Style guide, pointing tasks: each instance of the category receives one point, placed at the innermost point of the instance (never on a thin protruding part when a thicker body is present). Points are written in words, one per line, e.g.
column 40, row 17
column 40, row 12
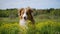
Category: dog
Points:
column 24, row 15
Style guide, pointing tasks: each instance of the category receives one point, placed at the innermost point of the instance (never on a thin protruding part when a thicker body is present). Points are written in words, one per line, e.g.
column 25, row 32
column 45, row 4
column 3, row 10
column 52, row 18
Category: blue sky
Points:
column 39, row 4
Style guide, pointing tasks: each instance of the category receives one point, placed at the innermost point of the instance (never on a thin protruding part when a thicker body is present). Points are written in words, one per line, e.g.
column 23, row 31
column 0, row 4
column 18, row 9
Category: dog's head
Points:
column 25, row 13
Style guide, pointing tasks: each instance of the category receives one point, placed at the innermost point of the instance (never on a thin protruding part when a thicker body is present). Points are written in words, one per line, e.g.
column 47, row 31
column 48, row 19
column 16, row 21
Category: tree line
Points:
column 14, row 12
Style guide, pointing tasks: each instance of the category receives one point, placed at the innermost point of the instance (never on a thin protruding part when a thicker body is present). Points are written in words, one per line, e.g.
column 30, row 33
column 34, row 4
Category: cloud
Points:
column 32, row 3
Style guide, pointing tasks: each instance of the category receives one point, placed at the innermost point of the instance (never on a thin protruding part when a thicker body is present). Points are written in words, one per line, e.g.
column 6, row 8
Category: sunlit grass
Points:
column 46, row 26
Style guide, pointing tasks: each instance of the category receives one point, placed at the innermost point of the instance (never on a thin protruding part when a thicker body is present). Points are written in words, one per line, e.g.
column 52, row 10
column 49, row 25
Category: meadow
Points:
column 46, row 23
column 43, row 26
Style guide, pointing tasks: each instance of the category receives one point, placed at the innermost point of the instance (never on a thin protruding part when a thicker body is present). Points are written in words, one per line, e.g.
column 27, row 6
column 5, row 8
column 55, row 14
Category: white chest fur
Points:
column 22, row 23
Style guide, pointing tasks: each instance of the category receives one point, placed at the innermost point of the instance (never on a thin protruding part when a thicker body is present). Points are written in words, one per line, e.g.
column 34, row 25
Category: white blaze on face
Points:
column 23, row 21
column 25, row 15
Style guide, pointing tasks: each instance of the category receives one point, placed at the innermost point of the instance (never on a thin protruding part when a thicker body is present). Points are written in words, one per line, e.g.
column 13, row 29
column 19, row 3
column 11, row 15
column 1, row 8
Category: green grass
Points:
column 9, row 28
column 43, row 26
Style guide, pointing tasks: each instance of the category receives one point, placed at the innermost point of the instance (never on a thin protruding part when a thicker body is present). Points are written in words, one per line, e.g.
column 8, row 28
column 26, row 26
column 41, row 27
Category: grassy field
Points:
column 47, row 21
column 43, row 26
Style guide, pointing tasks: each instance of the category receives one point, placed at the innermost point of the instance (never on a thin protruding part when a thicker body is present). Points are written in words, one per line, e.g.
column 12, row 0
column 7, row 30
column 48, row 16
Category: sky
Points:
column 38, row 4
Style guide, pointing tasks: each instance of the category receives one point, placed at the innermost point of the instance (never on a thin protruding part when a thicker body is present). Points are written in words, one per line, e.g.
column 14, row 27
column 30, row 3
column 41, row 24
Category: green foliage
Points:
column 42, row 27
column 48, row 27
column 8, row 12
column 14, row 12
column 9, row 29
column 56, row 12
column 47, row 22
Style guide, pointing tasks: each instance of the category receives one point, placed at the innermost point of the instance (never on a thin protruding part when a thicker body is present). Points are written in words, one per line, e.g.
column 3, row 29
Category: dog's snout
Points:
column 25, row 18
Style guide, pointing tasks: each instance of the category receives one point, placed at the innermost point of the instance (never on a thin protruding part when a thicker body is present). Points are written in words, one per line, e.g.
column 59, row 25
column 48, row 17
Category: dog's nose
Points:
column 25, row 18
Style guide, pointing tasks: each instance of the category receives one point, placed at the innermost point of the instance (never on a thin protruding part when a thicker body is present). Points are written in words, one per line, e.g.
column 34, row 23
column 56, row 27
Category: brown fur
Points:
column 30, row 18
column 29, row 11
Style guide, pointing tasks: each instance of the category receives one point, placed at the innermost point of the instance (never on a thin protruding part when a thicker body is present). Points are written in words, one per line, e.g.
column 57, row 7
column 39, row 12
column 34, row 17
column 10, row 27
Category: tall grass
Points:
column 9, row 28
column 46, row 26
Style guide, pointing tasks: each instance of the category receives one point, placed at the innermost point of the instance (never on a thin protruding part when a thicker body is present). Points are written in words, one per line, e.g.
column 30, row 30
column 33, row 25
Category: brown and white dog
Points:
column 24, row 15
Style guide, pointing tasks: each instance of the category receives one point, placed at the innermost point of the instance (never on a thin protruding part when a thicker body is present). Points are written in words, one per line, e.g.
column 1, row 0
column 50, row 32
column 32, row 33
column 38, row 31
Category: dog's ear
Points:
column 29, row 9
column 19, row 11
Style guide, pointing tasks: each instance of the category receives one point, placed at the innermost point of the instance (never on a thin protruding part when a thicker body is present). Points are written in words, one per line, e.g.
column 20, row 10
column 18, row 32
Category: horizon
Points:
column 30, row 7
column 37, row 4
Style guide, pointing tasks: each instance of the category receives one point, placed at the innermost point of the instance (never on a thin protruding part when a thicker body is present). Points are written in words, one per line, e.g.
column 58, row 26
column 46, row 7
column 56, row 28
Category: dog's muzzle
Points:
column 25, row 18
